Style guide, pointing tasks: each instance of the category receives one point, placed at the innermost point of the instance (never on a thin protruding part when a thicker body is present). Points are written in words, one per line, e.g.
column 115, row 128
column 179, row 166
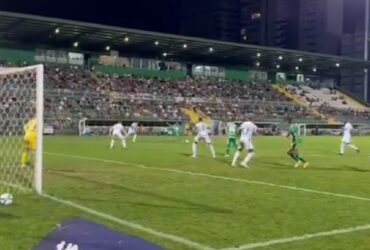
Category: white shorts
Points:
column 346, row 139
column 202, row 136
column 131, row 132
column 117, row 135
column 247, row 143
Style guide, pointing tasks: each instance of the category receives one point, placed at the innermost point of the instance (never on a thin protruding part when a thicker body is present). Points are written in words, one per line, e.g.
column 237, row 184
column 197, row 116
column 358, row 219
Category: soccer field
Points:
column 155, row 190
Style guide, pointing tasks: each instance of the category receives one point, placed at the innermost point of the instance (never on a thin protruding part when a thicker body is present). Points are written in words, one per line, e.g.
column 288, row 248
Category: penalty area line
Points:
column 300, row 238
column 346, row 196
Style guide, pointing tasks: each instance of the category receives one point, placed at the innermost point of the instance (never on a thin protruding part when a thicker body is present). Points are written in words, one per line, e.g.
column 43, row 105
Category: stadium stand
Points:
column 73, row 93
column 331, row 103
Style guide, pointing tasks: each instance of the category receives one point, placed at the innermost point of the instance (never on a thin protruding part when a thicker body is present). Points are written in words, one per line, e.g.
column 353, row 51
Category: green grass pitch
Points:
column 137, row 185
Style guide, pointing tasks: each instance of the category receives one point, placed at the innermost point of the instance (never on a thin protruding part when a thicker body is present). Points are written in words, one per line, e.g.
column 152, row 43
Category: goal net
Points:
column 21, row 124
column 302, row 129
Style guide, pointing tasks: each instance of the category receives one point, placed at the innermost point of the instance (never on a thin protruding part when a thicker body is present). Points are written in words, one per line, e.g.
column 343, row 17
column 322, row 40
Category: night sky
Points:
column 153, row 15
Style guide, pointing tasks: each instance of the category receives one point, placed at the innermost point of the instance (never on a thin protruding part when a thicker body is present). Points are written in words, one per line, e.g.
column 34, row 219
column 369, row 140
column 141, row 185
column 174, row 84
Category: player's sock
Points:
column 111, row 144
column 212, row 150
column 195, row 149
column 134, row 138
column 300, row 158
column 293, row 156
column 228, row 149
column 248, row 158
column 24, row 158
column 353, row 147
column 342, row 145
column 236, row 157
column 123, row 143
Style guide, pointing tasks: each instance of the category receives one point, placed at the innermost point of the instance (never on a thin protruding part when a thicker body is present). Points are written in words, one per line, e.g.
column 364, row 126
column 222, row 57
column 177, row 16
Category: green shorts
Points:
column 231, row 141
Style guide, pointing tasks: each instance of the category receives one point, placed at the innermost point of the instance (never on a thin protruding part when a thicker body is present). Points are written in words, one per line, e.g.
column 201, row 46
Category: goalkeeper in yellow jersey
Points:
column 29, row 143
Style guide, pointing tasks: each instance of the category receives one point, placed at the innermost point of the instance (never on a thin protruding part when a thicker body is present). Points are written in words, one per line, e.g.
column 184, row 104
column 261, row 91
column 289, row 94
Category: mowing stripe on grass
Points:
column 300, row 238
column 347, row 196
column 185, row 242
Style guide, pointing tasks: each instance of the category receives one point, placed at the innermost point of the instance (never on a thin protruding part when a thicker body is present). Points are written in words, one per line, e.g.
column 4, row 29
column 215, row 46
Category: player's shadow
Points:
column 273, row 165
column 219, row 158
column 7, row 216
column 355, row 169
column 86, row 171
column 151, row 195
column 159, row 206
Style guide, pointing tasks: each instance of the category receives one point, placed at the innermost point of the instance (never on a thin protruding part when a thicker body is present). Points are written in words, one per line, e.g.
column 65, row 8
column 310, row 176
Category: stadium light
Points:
column 278, row 66
column 258, row 54
column 164, row 54
column 156, row 43
column 300, row 59
column 56, row 31
column 184, row 45
column 210, row 49
column 258, row 64
column 337, row 65
column 75, row 44
column 296, row 68
column 314, row 69
column 107, row 48
column 127, row 39
column 280, row 57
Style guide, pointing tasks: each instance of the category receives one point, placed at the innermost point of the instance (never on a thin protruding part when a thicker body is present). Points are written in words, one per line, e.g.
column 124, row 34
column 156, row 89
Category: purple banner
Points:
column 80, row 234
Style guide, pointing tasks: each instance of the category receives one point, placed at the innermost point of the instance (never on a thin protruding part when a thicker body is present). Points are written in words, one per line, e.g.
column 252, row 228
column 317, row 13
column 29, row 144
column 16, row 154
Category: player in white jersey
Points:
column 202, row 134
column 117, row 131
column 346, row 140
column 247, row 130
column 133, row 131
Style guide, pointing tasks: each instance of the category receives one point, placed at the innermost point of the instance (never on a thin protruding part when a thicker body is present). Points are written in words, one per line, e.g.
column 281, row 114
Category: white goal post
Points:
column 21, row 104
column 302, row 129
column 84, row 128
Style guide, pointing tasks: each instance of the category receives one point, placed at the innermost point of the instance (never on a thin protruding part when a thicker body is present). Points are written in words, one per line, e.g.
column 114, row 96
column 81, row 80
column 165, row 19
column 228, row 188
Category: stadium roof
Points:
column 29, row 29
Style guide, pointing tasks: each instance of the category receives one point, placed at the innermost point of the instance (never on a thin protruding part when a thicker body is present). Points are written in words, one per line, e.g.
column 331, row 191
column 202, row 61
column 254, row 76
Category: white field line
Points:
column 346, row 196
column 195, row 245
column 301, row 238
column 159, row 234
column 185, row 242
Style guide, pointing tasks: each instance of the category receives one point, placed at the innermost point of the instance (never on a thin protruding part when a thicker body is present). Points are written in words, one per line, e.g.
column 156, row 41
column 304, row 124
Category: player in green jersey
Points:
column 294, row 150
column 231, row 130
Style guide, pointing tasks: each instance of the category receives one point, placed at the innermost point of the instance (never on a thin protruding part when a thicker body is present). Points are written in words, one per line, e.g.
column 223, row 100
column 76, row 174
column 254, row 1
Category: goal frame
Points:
column 302, row 129
column 40, row 126
column 39, row 105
